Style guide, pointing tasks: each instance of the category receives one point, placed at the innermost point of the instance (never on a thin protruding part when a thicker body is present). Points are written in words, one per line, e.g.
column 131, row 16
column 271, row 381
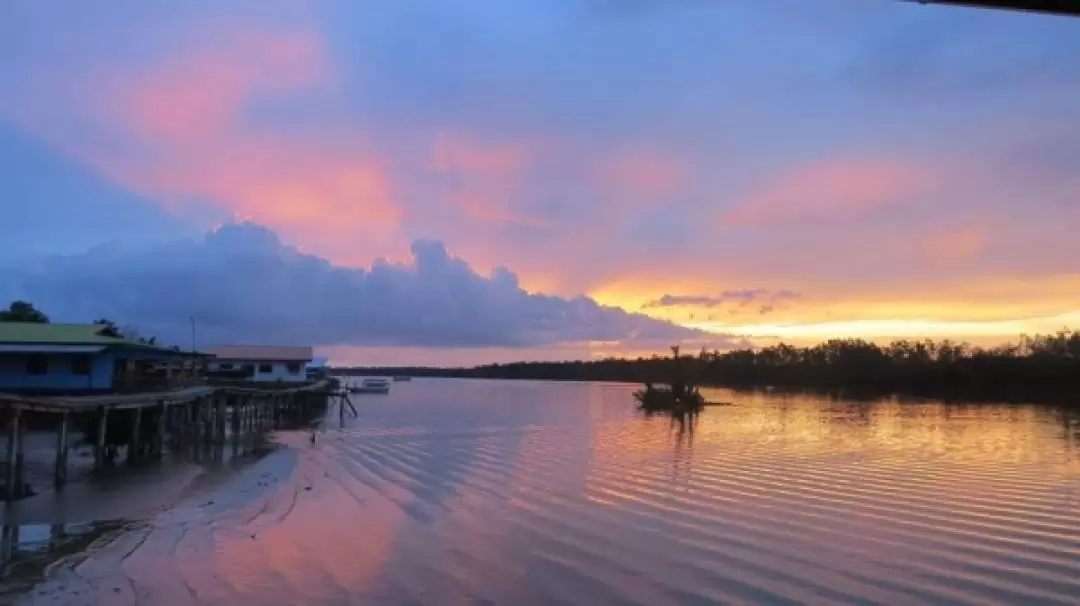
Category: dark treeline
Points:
column 1039, row 366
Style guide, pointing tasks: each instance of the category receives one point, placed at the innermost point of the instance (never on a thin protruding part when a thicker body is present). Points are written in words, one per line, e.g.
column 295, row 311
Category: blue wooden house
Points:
column 72, row 358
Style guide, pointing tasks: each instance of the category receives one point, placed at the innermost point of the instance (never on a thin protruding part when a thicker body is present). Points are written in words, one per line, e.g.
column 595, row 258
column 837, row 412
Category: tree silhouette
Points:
column 21, row 311
column 1036, row 367
column 109, row 328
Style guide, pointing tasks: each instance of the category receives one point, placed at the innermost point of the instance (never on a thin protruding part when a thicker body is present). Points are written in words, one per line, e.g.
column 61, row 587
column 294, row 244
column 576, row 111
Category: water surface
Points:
column 467, row 492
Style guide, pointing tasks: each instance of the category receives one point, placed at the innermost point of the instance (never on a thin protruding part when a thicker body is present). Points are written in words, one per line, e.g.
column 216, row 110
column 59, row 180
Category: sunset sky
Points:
column 458, row 182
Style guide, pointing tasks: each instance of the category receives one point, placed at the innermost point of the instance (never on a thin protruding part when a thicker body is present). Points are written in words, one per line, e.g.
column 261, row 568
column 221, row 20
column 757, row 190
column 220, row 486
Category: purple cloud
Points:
column 742, row 297
column 241, row 284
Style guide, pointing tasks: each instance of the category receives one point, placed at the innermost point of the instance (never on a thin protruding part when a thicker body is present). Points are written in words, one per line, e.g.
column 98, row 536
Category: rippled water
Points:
column 463, row 492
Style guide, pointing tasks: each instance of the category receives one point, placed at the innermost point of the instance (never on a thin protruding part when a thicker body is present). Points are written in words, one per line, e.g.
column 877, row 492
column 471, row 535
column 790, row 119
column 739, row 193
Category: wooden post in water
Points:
column 221, row 418
column 190, row 431
column 11, row 490
column 162, row 427
column 9, row 538
column 209, row 410
column 236, row 401
column 99, row 446
column 203, row 415
column 136, row 428
column 60, row 469
column 207, row 419
column 19, row 458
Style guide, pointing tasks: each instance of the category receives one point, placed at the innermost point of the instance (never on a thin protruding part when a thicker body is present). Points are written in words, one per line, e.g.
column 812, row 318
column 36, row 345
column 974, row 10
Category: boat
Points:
column 403, row 378
column 371, row 386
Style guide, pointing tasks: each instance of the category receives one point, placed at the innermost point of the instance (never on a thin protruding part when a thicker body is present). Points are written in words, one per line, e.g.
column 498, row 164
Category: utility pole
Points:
column 192, row 333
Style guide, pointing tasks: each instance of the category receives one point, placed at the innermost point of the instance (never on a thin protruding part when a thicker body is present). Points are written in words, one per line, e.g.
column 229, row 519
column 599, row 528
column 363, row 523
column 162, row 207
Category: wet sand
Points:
column 170, row 552
column 57, row 531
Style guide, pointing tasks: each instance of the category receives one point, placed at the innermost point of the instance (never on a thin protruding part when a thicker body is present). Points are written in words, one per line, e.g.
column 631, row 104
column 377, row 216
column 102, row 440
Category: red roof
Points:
column 276, row 353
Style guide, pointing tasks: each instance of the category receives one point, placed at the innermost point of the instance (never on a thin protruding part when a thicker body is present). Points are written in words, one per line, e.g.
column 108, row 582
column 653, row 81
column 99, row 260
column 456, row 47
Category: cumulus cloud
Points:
column 767, row 298
column 241, row 284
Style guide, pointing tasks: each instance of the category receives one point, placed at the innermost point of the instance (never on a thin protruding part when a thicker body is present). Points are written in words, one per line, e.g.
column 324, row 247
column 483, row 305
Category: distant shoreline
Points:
column 1034, row 396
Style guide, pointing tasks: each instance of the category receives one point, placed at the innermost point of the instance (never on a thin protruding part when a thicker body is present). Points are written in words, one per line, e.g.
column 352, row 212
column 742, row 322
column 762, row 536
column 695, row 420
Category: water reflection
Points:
column 530, row 492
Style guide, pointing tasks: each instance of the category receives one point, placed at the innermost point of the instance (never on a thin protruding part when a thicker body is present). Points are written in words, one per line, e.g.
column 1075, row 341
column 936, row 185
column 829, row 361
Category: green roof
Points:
column 68, row 334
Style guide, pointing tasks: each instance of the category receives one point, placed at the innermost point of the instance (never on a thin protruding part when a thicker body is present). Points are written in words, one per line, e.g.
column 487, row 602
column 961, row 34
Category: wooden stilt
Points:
column 99, row 446
column 236, row 402
column 60, row 472
column 136, row 431
column 162, row 427
column 20, row 457
column 8, row 539
column 56, row 535
column 11, row 490
column 190, row 432
column 221, row 418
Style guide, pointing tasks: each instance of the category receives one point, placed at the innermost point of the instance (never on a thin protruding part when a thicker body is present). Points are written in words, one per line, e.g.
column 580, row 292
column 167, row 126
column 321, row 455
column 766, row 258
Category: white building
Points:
column 260, row 363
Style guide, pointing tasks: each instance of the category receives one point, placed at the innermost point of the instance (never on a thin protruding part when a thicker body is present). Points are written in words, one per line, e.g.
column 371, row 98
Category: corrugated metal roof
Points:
column 281, row 353
column 31, row 332
column 32, row 348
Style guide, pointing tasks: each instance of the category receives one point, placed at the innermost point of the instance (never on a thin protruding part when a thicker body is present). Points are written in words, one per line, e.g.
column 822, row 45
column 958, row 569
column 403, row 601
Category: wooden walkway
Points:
column 203, row 414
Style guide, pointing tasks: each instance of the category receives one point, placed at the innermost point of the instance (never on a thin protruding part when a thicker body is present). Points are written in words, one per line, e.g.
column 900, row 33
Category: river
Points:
column 499, row 492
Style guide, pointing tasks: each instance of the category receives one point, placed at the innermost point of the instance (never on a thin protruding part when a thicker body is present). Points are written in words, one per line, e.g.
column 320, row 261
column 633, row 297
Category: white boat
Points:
column 371, row 386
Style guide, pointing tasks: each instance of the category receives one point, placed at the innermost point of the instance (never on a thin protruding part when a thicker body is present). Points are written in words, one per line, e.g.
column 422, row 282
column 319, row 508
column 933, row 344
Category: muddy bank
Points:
column 57, row 531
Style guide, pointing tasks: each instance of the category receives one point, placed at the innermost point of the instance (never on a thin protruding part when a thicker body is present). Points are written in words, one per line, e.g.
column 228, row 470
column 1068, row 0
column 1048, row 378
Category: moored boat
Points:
column 371, row 386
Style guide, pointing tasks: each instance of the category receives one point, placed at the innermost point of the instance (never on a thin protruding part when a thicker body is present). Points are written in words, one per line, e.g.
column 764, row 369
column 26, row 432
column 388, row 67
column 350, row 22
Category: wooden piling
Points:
column 9, row 538
column 11, row 487
column 136, row 430
column 99, row 446
column 162, row 427
column 208, row 420
column 190, row 432
column 221, row 418
column 236, row 401
column 60, row 470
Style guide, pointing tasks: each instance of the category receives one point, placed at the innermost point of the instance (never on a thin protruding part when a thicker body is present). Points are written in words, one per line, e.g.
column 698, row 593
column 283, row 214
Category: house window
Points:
column 263, row 368
column 82, row 365
column 225, row 366
column 293, row 368
column 37, row 365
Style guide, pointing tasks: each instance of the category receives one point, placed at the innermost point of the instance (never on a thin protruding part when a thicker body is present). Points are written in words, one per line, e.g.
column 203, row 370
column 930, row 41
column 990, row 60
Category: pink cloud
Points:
column 488, row 177
column 642, row 172
column 198, row 93
column 456, row 153
column 833, row 189
column 185, row 140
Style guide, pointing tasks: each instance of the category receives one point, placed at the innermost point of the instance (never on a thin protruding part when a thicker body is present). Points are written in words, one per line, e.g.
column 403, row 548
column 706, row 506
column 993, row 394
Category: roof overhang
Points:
column 1057, row 7
column 45, row 348
column 157, row 353
column 260, row 360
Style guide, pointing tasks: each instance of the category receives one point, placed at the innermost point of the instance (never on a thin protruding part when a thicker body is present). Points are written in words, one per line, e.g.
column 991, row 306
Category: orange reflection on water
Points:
column 532, row 492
